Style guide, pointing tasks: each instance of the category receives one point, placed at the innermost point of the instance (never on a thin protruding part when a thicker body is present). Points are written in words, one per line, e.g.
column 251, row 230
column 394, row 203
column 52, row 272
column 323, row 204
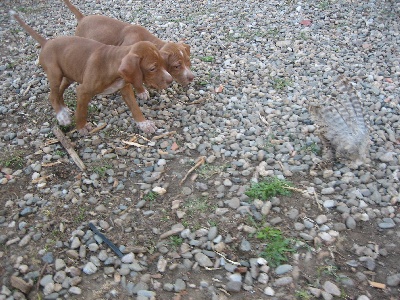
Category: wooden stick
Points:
column 134, row 144
column 163, row 135
column 68, row 146
column 98, row 128
column 201, row 160
column 377, row 284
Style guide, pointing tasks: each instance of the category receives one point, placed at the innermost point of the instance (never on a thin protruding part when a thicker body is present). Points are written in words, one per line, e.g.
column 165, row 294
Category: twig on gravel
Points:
column 27, row 89
column 195, row 101
column 42, row 179
column 163, row 135
column 39, row 278
column 68, row 146
column 317, row 200
column 377, row 284
column 266, row 123
column 224, row 291
column 134, row 144
column 227, row 259
column 51, row 164
column 98, row 128
column 201, row 160
column 51, row 142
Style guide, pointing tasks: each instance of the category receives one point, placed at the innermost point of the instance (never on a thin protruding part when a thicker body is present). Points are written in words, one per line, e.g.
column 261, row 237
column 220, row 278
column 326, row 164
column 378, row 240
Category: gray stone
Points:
column 203, row 260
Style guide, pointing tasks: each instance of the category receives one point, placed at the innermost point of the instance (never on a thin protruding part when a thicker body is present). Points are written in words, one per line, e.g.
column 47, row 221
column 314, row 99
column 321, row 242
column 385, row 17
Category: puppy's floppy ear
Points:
column 187, row 48
column 130, row 69
column 165, row 55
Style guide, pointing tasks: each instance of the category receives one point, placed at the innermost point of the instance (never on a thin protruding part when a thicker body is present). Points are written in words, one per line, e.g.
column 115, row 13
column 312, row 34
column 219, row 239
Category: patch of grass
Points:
column 196, row 205
column 280, row 83
column 101, row 170
column 175, row 241
column 270, row 187
column 14, row 160
column 70, row 103
column 273, row 31
column 151, row 196
column 26, row 9
column 313, row 147
column 303, row 295
column 60, row 153
column 93, row 109
column 207, row 58
column 324, row 4
column 277, row 246
column 303, row 36
column 212, row 223
column 328, row 270
column 206, row 171
column 81, row 216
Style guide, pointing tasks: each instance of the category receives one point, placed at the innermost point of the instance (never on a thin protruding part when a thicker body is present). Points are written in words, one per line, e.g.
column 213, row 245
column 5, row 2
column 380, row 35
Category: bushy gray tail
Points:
column 29, row 29
column 341, row 122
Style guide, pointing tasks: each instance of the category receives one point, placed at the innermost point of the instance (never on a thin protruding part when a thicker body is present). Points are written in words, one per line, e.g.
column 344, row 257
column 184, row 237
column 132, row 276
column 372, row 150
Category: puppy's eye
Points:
column 153, row 69
column 177, row 66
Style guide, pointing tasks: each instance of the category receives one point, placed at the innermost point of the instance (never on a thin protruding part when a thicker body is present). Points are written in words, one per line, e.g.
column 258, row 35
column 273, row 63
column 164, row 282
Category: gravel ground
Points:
column 257, row 65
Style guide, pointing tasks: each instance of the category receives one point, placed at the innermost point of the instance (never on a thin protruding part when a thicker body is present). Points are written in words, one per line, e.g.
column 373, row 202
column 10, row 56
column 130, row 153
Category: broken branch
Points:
column 201, row 160
column 68, row 146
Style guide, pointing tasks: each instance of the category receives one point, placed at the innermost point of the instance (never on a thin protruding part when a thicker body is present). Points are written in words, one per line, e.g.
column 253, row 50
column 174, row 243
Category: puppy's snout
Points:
column 190, row 76
column 168, row 77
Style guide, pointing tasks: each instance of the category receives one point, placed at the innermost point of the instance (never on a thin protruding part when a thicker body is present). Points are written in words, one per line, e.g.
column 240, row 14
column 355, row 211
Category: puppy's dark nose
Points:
column 168, row 78
column 190, row 76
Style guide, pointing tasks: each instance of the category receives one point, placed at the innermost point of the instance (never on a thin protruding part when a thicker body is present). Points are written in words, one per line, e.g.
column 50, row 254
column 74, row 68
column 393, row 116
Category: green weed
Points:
column 151, row 196
column 14, row 160
column 101, row 170
column 277, row 246
column 313, row 147
column 303, row 295
column 280, row 83
column 175, row 241
column 324, row 4
column 59, row 153
column 81, row 216
column 270, row 187
column 303, row 36
column 196, row 205
column 273, row 31
column 207, row 58
column 206, row 171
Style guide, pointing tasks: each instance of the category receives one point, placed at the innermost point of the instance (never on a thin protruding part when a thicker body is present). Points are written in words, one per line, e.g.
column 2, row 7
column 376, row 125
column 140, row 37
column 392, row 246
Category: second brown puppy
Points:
column 113, row 32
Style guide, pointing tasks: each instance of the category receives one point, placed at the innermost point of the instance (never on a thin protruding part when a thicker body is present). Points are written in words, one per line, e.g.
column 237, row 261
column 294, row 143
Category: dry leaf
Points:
column 174, row 146
column 219, row 89
column 306, row 22
column 377, row 284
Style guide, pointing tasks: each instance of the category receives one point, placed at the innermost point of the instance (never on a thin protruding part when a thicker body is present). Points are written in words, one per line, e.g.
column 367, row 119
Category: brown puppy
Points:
column 99, row 69
column 113, row 32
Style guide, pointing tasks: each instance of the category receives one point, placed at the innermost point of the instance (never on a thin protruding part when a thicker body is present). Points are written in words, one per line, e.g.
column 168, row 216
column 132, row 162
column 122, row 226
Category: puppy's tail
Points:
column 74, row 10
column 41, row 40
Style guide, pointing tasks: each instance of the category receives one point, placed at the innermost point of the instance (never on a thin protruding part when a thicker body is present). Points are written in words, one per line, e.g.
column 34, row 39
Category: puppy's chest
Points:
column 115, row 86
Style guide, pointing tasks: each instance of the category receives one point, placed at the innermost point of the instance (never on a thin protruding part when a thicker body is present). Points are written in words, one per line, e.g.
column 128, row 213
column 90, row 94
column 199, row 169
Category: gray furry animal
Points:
column 341, row 126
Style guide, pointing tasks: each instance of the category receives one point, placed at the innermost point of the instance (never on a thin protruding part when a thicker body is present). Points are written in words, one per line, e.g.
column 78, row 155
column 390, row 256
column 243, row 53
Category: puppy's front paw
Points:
column 86, row 129
column 147, row 126
column 63, row 117
column 144, row 96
